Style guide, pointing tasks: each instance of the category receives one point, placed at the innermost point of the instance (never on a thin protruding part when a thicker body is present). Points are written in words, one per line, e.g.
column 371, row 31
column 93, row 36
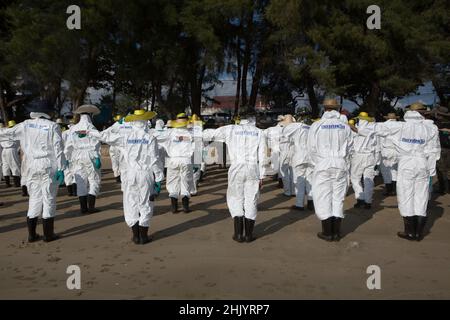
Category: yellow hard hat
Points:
column 351, row 121
column 117, row 117
column 182, row 116
column 195, row 117
column 169, row 124
column 140, row 115
column 364, row 116
column 416, row 106
column 11, row 123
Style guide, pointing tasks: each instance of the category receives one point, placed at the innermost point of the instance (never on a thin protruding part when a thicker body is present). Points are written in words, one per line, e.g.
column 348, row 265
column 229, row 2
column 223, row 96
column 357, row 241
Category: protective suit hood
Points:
column 85, row 123
column 332, row 114
column 413, row 115
column 249, row 121
column 159, row 125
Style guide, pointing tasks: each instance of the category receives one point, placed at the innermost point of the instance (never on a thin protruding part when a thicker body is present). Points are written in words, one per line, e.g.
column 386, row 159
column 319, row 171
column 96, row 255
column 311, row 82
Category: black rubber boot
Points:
column 74, row 188
column 367, row 206
column 388, row 189
column 8, row 181
column 326, row 233
column 443, row 182
column 16, row 181
column 48, row 226
column 83, row 204
column 294, row 207
column 359, row 203
column 91, row 204
column 238, row 229
column 118, row 180
column 185, row 201
column 25, row 191
column 410, row 230
column 420, row 227
column 249, row 225
column 135, row 230
column 336, row 228
column 280, row 183
column 201, row 176
column 143, row 235
column 394, row 188
column 310, row 205
column 70, row 190
column 174, row 203
column 32, row 235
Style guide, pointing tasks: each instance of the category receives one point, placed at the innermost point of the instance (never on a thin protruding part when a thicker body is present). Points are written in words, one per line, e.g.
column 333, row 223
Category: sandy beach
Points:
column 192, row 256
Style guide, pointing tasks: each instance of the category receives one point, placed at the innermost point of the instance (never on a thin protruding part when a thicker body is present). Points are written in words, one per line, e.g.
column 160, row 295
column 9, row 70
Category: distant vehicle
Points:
column 268, row 119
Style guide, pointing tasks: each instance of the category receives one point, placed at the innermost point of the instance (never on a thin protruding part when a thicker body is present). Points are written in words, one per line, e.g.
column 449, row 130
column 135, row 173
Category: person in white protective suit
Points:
column 11, row 160
column 365, row 158
column 114, row 152
column 160, row 131
column 69, row 177
column 143, row 175
column 179, row 145
column 435, row 156
column 286, row 154
column 389, row 159
column 247, row 147
column 84, row 153
column 329, row 145
column 297, row 133
column 199, row 165
column 40, row 139
column 417, row 144
column 273, row 143
column 2, row 126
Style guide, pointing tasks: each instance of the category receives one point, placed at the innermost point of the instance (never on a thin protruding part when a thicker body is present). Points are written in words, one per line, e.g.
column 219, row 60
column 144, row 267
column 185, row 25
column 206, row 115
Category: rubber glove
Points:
column 59, row 177
column 121, row 120
column 82, row 135
column 97, row 163
column 157, row 187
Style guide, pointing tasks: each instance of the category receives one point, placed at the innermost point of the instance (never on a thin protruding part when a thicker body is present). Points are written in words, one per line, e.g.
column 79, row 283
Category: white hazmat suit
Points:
column 329, row 145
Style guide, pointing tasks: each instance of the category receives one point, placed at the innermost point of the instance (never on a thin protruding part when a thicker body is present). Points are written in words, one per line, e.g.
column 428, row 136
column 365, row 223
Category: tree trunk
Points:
column 372, row 101
column 312, row 96
column 443, row 100
column 247, row 58
column 239, row 74
column 256, row 83
column 196, row 90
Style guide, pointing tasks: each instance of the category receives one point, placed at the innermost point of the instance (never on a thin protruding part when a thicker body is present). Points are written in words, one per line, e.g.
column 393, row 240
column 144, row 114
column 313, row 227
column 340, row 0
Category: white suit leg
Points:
column 235, row 191
column 35, row 192
column 369, row 176
column 421, row 193
column 394, row 170
column 340, row 186
column 300, row 185
column 186, row 180
column 94, row 180
column 386, row 172
column 323, row 194
column 356, row 174
column 131, row 204
column 82, row 183
column 173, row 181
column 49, row 189
column 145, row 206
column 251, row 195
column 405, row 192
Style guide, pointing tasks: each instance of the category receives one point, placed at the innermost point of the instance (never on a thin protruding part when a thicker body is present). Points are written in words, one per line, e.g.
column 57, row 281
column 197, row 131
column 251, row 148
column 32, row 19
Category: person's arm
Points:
column 58, row 148
column 12, row 134
column 262, row 156
column 311, row 144
column 111, row 137
column 218, row 134
column 156, row 163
